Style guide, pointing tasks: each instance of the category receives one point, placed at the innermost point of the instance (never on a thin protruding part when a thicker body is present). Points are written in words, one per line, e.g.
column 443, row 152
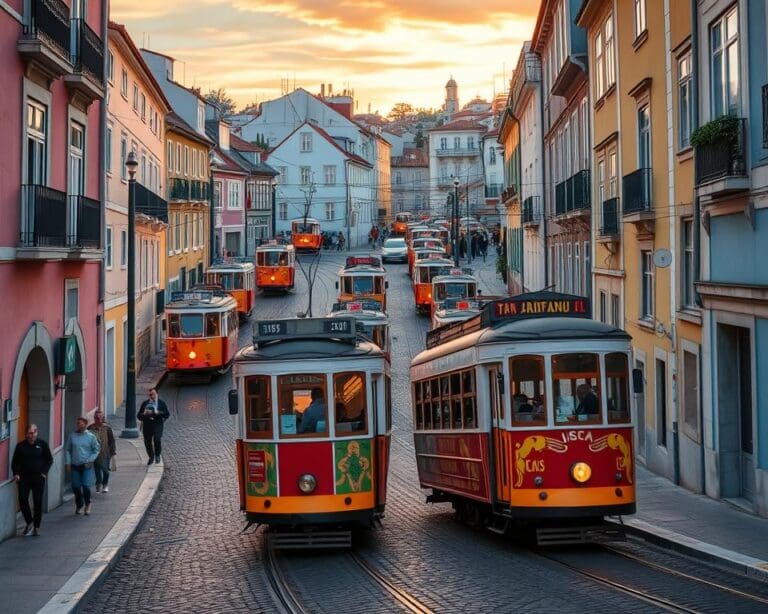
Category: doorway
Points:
column 640, row 418
column 735, row 411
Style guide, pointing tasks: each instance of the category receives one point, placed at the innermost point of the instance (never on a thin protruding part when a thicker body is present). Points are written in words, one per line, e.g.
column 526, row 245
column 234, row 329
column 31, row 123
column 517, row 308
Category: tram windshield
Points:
column 617, row 388
column 349, row 403
column 426, row 273
column 303, row 404
column 225, row 280
column 377, row 333
column 359, row 285
column 576, row 388
column 528, row 390
column 181, row 325
column 272, row 258
column 455, row 290
column 258, row 404
column 306, row 229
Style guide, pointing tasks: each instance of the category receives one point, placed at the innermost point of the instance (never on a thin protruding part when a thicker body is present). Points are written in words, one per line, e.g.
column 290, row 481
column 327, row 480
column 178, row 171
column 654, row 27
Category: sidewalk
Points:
column 699, row 526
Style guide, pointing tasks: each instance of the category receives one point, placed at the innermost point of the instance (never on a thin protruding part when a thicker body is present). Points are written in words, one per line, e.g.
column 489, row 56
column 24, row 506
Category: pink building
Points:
column 51, row 87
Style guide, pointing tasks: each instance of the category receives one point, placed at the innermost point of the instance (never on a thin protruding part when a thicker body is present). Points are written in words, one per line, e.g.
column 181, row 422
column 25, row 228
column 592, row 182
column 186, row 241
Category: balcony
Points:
column 186, row 190
column 458, row 152
column 638, row 200
column 510, row 193
column 572, row 197
column 87, row 79
column 84, row 231
column 199, row 191
column 445, row 182
column 150, row 204
column 527, row 74
column 531, row 214
column 609, row 221
column 494, row 190
column 43, row 217
column 721, row 167
column 45, row 39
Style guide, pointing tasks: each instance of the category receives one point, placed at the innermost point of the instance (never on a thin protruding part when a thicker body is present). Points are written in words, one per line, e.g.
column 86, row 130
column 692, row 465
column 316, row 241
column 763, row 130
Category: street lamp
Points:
column 274, row 206
column 129, row 429
column 211, row 214
column 456, row 221
column 469, row 234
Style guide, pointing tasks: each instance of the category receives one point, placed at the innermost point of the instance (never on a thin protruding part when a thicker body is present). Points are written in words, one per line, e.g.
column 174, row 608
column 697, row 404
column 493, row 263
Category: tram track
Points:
column 277, row 584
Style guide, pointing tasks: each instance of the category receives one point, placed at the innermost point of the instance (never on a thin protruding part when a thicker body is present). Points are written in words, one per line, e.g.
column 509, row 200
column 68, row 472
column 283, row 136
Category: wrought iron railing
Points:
column 637, row 191
column 88, row 54
column 459, row 151
column 493, row 190
column 43, row 217
column 149, row 203
column 725, row 158
column 609, row 225
column 178, row 189
column 573, row 194
column 198, row 190
column 531, row 212
column 85, row 222
column 49, row 20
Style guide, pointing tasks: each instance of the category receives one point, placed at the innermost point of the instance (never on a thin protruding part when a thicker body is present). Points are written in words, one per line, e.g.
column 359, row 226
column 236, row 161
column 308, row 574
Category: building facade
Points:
column 51, row 195
column 135, row 123
column 410, row 181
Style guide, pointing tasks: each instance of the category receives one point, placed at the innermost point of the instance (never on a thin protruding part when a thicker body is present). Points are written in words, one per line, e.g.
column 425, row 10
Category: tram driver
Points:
column 589, row 405
column 315, row 412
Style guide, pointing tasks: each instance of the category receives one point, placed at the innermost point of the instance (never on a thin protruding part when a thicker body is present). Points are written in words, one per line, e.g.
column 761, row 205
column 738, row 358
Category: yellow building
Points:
column 639, row 67
column 187, row 239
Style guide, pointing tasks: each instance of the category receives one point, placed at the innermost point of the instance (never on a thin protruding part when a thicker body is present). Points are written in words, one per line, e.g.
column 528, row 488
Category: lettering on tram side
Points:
column 576, row 436
column 571, row 307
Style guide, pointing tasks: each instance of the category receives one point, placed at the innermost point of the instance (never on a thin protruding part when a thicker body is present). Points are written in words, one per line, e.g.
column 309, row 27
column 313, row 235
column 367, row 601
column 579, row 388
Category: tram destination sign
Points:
column 538, row 305
column 304, row 328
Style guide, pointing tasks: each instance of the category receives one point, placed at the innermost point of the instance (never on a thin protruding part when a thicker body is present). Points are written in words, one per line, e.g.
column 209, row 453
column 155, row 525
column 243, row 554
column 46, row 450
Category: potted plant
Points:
column 724, row 131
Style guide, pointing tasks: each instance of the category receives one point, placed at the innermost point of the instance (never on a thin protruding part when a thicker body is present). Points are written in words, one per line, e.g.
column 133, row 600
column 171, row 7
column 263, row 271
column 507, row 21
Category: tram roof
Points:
column 301, row 220
column 454, row 277
column 234, row 266
column 310, row 349
column 275, row 246
column 200, row 300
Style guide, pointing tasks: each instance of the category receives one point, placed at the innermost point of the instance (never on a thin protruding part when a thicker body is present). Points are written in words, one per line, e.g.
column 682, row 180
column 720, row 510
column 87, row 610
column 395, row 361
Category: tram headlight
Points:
column 272, row 278
column 192, row 355
column 307, row 483
column 581, row 472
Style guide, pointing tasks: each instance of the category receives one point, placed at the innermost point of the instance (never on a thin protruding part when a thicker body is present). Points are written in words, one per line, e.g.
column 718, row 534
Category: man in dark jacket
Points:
column 152, row 413
column 30, row 464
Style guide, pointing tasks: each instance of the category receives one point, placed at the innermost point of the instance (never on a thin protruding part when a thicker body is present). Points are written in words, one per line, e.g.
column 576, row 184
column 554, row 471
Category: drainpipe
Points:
column 544, row 190
column 697, row 223
column 100, row 341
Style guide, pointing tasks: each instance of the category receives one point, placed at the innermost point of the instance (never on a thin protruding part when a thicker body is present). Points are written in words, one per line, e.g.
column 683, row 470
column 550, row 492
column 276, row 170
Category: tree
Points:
column 400, row 111
column 309, row 269
column 224, row 104
column 419, row 138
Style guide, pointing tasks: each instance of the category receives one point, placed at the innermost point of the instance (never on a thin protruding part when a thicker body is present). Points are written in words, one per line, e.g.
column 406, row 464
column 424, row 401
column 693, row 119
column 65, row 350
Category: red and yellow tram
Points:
column 305, row 235
column 202, row 327
column 239, row 279
column 363, row 277
column 401, row 222
column 524, row 414
column 458, row 284
column 313, row 400
column 424, row 271
column 422, row 243
column 275, row 266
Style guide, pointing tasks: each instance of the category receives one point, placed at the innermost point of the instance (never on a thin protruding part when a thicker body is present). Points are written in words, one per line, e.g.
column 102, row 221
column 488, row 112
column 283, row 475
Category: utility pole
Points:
column 129, row 429
column 455, row 215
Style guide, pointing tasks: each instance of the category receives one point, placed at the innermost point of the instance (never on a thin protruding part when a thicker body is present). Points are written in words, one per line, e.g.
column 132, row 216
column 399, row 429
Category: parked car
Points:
column 394, row 250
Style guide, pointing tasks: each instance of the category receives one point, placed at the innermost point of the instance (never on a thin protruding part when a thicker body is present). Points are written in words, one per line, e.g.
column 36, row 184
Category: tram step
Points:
column 555, row 536
column 311, row 539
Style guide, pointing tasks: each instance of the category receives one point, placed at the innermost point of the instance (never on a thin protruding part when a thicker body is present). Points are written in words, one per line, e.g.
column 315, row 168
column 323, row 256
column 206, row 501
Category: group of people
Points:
column 89, row 455
column 377, row 236
column 477, row 245
column 333, row 241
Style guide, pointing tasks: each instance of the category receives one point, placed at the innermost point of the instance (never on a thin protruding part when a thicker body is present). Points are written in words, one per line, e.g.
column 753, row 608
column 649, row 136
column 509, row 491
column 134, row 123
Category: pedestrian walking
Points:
column 30, row 464
column 152, row 413
column 463, row 246
column 473, row 250
column 107, row 452
column 340, row 246
column 81, row 452
column 484, row 246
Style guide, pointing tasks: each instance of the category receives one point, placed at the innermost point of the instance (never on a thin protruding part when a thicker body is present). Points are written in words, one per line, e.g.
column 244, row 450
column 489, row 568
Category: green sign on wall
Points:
column 67, row 355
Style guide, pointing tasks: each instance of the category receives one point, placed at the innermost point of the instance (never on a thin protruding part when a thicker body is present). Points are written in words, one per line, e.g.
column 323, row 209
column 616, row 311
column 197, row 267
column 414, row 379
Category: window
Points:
column 108, row 248
column 194, row 163
column 609, row 55
column 601, row 182
column 143, row 108
column 661, row 402
column 492, row 156
column 330, row 211
column 123, row 248
column 306, row 142
column 177, row 227
column 612, row 176
column 306, row 175
column 576, row 388
column 528, row 389
column 71, row 299
column 724, row 50
column 648, row 303
column 169, row 161
column 186, row 161
column 303, row 404
column 37, row 143
column 691, row 394
column 124, row 83
column 640, row 21
column 186, row 232
column 217, row 194
column 123, row 156
column 110, row 67
column 135, row 97
column 234, row 199
column 599, row 65
column 616, row 310
column 688, row 290
column 349, row 404
column 603, row 306
column 446, row 402
column 283, row 211
column 443, row 142
column 330, row 174
column 258, row 406
column 685, row 101
column 108, row 150
column 617, row 388
column 178, row 157
column 470, row 142
column 644, row 137
column 283, row 177
column 457, row 142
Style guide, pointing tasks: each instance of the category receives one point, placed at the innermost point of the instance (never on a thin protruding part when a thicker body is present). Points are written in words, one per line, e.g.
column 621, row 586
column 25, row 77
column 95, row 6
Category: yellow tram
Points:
column 275, row 266
column 363, row 277
column 313, row 399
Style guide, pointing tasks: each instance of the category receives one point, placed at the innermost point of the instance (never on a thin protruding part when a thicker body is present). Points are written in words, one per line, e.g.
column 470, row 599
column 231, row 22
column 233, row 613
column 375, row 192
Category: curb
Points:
column 97, row 566
column 735, row 561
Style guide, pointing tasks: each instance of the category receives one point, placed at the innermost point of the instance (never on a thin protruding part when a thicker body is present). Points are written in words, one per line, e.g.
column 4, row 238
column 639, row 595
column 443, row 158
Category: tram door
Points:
column 498, row 434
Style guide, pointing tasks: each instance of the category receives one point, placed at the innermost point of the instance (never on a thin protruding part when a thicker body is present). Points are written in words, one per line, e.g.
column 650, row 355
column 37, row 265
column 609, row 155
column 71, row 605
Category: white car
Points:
column 394, row 250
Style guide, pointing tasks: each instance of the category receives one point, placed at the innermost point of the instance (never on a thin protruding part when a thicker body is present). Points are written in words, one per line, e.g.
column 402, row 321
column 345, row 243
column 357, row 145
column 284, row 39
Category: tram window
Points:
column 470, row 412
column 528, row 390
column 468, row 382
column 173, row 325
column 388, row 403
column 378, row 285
column 457, row 414
column 221, row 279
column 576, row 388
column 258, row 403
column 191, row 324
column 212, row 325
column 349, row 402
column 303, row 405
column 617, row 388
column 363, row 285
column 445, row 390
column 436, row 413
column 418, row 411
column 239, row 281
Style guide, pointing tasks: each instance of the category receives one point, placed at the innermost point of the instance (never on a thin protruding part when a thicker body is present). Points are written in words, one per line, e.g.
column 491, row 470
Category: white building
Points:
column 493, row 169
column 410, row 181
column 336, row 185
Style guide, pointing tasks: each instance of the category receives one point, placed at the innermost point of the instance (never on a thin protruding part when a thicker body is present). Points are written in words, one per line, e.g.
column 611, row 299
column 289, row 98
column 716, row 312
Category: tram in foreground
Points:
column 275, row 266
column 305, row 235
column 523, row 416
column 238, row 278
column 202, row 328
column 363, row 277
column 313, row 399
column 401, row 222
column 371, row 318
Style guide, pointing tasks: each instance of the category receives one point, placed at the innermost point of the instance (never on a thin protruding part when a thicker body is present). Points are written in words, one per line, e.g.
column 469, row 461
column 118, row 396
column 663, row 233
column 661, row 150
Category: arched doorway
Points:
column 34, row 399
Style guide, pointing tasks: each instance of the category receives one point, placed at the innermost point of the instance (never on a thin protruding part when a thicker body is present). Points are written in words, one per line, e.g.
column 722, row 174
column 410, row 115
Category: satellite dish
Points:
column 662, row 258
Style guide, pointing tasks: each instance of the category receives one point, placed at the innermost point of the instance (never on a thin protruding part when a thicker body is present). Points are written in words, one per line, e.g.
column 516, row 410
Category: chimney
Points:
column 330, row 89
column 322, row 90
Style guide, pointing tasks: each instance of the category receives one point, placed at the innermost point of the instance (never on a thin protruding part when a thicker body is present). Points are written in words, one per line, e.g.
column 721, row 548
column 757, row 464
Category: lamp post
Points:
column 469, row 234
column 129, row 429
column 211, row 214
column 274, row 207
column 455, row 216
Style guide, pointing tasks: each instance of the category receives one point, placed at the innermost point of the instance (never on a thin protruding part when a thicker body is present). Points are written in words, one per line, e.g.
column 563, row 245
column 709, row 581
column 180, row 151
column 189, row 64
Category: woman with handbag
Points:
column 107, row 452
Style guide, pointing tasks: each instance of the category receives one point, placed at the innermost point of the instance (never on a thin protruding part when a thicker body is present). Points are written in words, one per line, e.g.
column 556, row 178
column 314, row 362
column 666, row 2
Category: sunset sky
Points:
column 386, row 50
